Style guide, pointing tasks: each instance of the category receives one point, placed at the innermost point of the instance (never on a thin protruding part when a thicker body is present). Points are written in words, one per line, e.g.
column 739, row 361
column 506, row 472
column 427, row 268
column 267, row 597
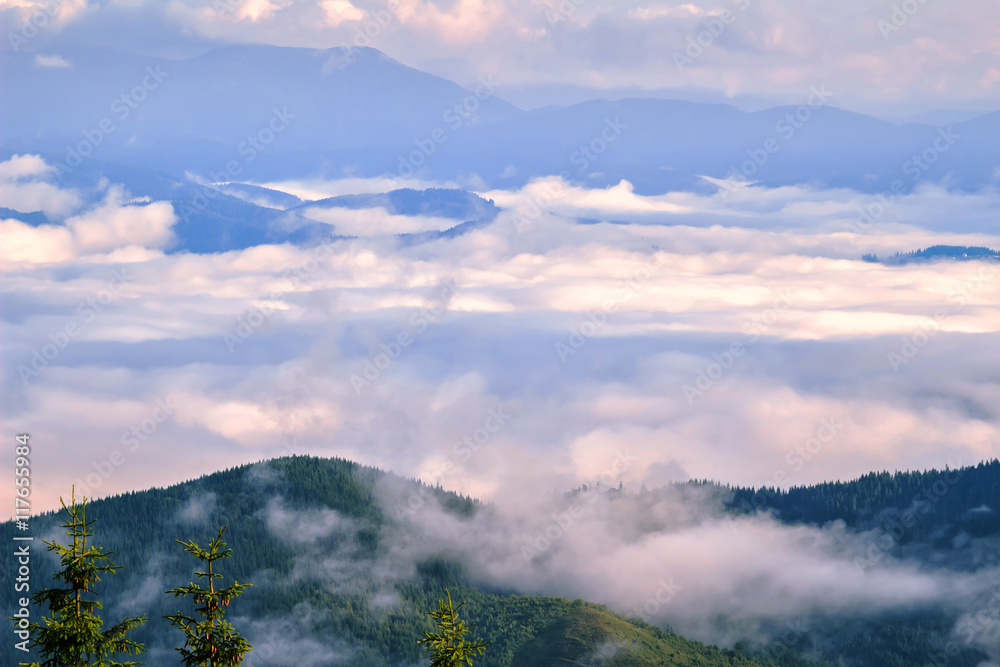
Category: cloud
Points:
column 129, row 228
column 304, row 526
column 623, row 331
column 567, row 354
column 671, row 557
column 375, row 221
column 295, row 640
column 52, row 61
column 198, row 509
column 25, row 185
column 20, row 242
column 115, row 222
column 338, row 11
column 29, row 17
column 23, row 166
column 654, row 12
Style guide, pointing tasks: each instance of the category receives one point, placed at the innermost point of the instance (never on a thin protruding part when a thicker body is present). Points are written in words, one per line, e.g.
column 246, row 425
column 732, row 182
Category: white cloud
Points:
column 112, row 225
column 23, row 166
column 338, row 11
column 788, row 290
column 52, row 61
column 375, row 221
column 24, row 187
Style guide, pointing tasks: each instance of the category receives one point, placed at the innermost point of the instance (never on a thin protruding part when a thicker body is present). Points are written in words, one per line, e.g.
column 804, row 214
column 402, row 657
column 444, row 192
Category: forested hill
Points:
column 960, row 500
column 310, row 535
column 337, row 579
column 957, row 253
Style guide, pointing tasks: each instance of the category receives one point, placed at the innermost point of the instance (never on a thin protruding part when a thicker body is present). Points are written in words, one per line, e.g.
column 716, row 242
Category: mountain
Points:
column 232, row 104
column 313, row 538
column 340, row 579
column 260, row 113
column 218, row 217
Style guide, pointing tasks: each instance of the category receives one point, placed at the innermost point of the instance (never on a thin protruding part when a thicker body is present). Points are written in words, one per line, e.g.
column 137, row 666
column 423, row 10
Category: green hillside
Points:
column 332, row 594
column 320, row 541
column 588, row 635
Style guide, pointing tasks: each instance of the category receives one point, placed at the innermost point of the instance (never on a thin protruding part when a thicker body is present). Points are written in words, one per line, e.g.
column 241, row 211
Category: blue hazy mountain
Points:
column 232, row 216
column 203, row 112
column 262, row 112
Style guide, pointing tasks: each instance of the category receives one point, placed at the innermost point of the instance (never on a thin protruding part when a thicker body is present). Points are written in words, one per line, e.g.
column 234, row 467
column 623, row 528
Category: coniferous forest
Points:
column 321, row 593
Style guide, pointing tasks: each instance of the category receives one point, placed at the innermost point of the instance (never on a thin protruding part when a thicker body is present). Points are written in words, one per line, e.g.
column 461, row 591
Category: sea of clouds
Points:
column 736, row 337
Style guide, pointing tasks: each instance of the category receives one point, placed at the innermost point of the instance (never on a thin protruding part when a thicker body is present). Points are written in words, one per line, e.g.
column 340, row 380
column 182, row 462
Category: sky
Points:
column 889, row 58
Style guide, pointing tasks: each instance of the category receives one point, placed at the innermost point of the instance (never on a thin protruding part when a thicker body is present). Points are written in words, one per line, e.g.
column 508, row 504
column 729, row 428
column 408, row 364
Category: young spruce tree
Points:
column 72, row 635
column 212, row 641
column 448, row 646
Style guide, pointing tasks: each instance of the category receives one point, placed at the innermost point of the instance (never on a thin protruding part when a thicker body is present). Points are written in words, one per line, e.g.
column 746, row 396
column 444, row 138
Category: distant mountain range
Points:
column 231, row 216
column 263, row 112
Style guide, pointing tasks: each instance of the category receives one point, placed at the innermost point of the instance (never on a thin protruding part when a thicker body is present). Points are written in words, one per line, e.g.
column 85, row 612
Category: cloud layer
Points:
column 736, row 337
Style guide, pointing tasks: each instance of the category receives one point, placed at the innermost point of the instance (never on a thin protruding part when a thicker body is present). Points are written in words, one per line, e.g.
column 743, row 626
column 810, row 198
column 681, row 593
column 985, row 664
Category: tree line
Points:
column 73, row 634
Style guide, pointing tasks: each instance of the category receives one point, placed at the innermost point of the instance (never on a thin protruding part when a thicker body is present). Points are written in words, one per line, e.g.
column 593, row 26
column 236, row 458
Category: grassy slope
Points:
column 588, row 635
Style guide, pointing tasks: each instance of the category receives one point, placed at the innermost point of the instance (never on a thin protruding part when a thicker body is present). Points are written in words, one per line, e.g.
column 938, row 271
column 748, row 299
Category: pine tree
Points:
column 213, row 641
column 449, row 647
column 72, row 635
